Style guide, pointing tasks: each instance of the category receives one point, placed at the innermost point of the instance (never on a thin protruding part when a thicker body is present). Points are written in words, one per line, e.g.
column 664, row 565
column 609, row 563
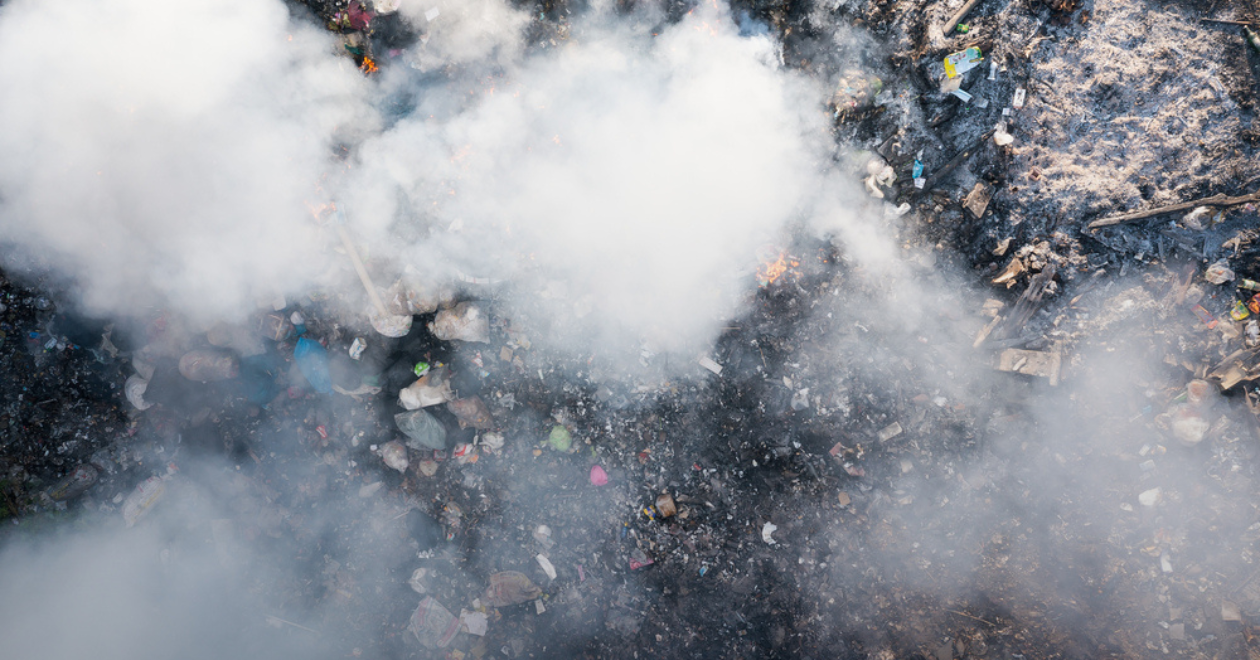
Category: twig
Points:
column 275, row 619
column 972, row 617
column 1218, row 20
column 1219, row 199
column 958, row 16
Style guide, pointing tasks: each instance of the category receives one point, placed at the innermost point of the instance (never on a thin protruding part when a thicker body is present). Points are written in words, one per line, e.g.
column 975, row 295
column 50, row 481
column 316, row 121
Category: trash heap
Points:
column 1047, row 449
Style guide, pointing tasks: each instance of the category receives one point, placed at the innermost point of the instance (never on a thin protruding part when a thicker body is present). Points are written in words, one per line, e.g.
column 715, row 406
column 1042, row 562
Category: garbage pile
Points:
column 1035, row 437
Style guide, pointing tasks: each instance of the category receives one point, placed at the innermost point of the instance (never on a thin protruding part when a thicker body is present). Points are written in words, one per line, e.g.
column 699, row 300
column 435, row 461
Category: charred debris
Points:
column 833, row 480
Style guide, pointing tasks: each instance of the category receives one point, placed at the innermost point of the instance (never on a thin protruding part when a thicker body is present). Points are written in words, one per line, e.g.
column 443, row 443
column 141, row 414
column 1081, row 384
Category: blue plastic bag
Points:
column 312, row 360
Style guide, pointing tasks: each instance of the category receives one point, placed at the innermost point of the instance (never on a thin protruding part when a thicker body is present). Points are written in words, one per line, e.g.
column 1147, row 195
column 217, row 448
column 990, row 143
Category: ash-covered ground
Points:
column 620, row 330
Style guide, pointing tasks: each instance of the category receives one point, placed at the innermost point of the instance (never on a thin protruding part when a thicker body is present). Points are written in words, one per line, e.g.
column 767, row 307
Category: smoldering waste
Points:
column 1061, row 465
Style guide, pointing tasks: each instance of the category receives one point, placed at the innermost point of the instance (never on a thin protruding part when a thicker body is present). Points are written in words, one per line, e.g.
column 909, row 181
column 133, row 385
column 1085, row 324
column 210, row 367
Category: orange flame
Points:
column 769, row 272
column 368, row 67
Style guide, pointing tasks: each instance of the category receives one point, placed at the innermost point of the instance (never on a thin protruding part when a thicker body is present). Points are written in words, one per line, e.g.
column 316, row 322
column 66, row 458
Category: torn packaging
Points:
column 433, row 625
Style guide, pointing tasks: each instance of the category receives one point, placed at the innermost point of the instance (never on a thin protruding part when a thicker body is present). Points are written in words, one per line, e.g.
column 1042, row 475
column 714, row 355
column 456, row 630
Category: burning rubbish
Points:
column 750, row 331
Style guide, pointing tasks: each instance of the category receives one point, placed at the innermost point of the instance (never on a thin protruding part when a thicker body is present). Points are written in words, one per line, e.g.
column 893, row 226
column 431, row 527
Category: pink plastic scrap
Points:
column 598, row 476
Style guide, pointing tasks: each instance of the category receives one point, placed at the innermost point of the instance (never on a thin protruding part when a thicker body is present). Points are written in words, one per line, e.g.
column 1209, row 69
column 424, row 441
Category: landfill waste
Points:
column 492, row 442
column 356, row 348
column 510, row 588
column 471, row 411
column 433, row 625
column 422, row 429
column 474, row 623
column 598, row 476
column 74, row 484
column 312, row 360
column 208, row 366
column 1219, row 272
column 665, row 505
column 394, row 454
column 142, row 499
column 134, row 389
column 546, row 565
column 560, row 439
column 464, row 322
column 1191, row 414
column 384, row 7
column 855, row 91
column 429, row 390
column 389, row 325
column 962, row 61
column 767, row 533
column 416, row 581
column 639, row 559
column 1150, row 497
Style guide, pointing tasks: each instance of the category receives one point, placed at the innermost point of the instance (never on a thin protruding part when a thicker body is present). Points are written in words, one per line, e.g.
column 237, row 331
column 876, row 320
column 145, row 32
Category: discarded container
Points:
column 560, row 438
column 74, row 484
column 665, row 505
column 430, row 390
column 423, row 430
column 134, row 388
column 464, row 322
column 312, row 361
column 963, row 61
column 1018, row 101
column 472, row 411
column 598, row 476
column 1219, row 272
column 208, row 366
column 433, row 625
column 395, row 455
column 546, row 565
column 510, row 588
column 143, row 498
column 1252, row 38
column 1250, row 285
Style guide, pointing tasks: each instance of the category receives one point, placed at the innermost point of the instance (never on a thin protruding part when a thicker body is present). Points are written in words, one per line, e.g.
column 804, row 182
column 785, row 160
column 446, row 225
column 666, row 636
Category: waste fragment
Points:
column 422, row 429
column 962, row 61
column 767, row 533
column 546, row 565
column 432, row 624
column 510, row 588
column 142, row 499
column 1046, row 364
column 208, row 366
column 464, row 322
column 312, row 361
column 598, row 476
